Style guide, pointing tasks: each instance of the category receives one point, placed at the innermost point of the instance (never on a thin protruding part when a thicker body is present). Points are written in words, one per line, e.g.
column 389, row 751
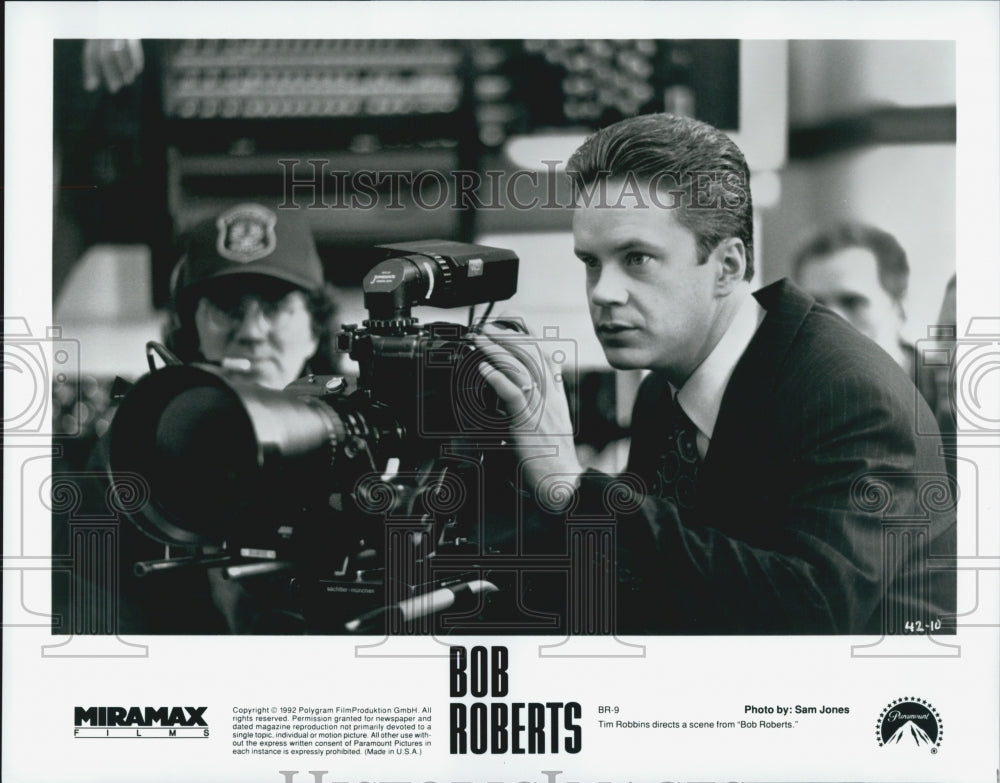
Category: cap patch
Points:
column 246, row 233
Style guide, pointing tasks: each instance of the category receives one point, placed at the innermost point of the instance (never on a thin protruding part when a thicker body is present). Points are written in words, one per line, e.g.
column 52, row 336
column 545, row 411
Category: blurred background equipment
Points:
column 381, row 141
column 300, row 120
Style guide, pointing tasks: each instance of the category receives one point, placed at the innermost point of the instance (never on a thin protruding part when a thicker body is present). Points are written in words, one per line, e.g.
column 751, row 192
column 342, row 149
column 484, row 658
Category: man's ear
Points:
column 730, row 260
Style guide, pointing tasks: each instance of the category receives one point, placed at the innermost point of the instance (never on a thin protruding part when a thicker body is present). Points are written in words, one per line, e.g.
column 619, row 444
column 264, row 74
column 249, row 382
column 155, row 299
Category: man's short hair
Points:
column 651, row 146
column 890, row 258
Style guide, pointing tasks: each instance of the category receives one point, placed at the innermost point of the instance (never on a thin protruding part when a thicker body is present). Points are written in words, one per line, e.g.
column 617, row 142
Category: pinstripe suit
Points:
column 813, row 462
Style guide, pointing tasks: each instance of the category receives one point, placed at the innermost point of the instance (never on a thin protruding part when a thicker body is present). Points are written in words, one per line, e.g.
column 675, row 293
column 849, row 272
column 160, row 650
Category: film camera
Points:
column 352, row 501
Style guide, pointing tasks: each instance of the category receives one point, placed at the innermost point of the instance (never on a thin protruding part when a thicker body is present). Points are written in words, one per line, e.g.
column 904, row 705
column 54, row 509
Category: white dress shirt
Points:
column 701, row 396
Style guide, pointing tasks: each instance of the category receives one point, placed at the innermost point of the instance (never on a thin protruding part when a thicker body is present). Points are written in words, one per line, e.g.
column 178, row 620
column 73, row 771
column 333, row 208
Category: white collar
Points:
column 701, row 395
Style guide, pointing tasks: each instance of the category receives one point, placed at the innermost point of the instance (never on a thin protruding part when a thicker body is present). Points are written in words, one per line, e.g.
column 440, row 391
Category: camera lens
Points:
column 221, row 455
column 205, row 458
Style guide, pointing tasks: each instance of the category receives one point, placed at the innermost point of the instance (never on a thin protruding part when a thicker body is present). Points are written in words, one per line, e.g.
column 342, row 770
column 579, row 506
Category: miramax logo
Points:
column 142, row 722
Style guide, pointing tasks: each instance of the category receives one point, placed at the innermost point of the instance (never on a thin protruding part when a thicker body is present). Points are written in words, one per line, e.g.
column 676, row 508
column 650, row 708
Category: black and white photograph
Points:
column 400, row 475
column 493, row 398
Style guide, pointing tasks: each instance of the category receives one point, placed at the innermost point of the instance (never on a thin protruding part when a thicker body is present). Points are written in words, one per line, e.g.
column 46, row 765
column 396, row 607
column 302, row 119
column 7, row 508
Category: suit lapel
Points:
column 748, row 399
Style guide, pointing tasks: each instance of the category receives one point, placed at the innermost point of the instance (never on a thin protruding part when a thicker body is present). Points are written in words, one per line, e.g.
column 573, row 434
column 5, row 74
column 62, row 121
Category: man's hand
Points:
column 544, row 439
column 112, row 64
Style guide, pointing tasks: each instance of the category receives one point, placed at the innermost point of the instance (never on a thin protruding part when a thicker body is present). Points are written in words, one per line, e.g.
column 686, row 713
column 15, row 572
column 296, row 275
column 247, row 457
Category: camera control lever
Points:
column 147, row 567
column 422, row 605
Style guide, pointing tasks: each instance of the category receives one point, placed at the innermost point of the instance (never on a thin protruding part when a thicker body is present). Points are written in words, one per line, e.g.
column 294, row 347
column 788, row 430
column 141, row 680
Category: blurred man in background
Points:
column 861, row 273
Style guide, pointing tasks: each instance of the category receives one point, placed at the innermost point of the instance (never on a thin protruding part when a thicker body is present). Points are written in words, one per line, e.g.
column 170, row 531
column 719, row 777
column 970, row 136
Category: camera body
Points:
column 343, row 494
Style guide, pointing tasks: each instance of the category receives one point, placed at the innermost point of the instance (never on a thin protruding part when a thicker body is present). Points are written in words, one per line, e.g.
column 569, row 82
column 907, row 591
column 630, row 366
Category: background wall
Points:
column 848, row 129
column 828, row 79
column 907, row 189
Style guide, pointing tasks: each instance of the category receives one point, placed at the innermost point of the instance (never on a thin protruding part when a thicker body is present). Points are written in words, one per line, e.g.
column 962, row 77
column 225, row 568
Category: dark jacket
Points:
column 819, row 509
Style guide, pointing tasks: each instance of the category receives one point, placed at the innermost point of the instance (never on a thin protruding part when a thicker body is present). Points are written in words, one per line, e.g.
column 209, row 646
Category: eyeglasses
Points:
column 226, row 313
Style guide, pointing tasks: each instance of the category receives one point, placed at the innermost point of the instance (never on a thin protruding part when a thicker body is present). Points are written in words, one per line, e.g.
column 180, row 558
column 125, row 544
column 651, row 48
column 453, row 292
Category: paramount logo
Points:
column 139, row 722
column 907, row 721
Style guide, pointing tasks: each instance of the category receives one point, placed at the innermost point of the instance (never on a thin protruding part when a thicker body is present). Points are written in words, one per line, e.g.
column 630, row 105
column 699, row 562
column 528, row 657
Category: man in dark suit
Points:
column 777, row 481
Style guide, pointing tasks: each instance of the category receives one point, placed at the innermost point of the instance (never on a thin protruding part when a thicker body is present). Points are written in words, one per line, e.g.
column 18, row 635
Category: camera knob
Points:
column 390, row 325
column 444, row 270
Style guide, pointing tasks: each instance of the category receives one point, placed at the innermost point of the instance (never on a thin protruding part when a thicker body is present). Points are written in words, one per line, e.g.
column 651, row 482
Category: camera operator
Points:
column 761, row 414
column 249, row 295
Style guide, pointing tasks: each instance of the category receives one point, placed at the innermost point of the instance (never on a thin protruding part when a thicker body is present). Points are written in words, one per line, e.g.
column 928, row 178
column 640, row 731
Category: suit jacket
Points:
column 819, row 509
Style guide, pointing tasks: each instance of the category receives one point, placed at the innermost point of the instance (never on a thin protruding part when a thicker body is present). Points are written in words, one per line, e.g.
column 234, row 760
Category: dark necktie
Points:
column 678, row 462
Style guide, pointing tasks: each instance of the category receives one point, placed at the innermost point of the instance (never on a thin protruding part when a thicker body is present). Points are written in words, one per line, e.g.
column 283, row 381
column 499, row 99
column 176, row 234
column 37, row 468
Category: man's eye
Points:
column 225, row 303
column 852, row 302
column 285, row 304
column 590, row 263
column 636, row 259
column 289, row 303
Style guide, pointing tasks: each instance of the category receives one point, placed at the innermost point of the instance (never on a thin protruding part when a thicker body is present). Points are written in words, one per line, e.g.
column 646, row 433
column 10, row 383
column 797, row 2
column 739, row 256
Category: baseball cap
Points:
column 249, row 239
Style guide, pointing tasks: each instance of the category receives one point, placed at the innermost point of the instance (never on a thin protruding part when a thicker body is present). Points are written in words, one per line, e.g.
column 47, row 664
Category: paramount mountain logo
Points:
column 911, row 730
column 910, row 721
